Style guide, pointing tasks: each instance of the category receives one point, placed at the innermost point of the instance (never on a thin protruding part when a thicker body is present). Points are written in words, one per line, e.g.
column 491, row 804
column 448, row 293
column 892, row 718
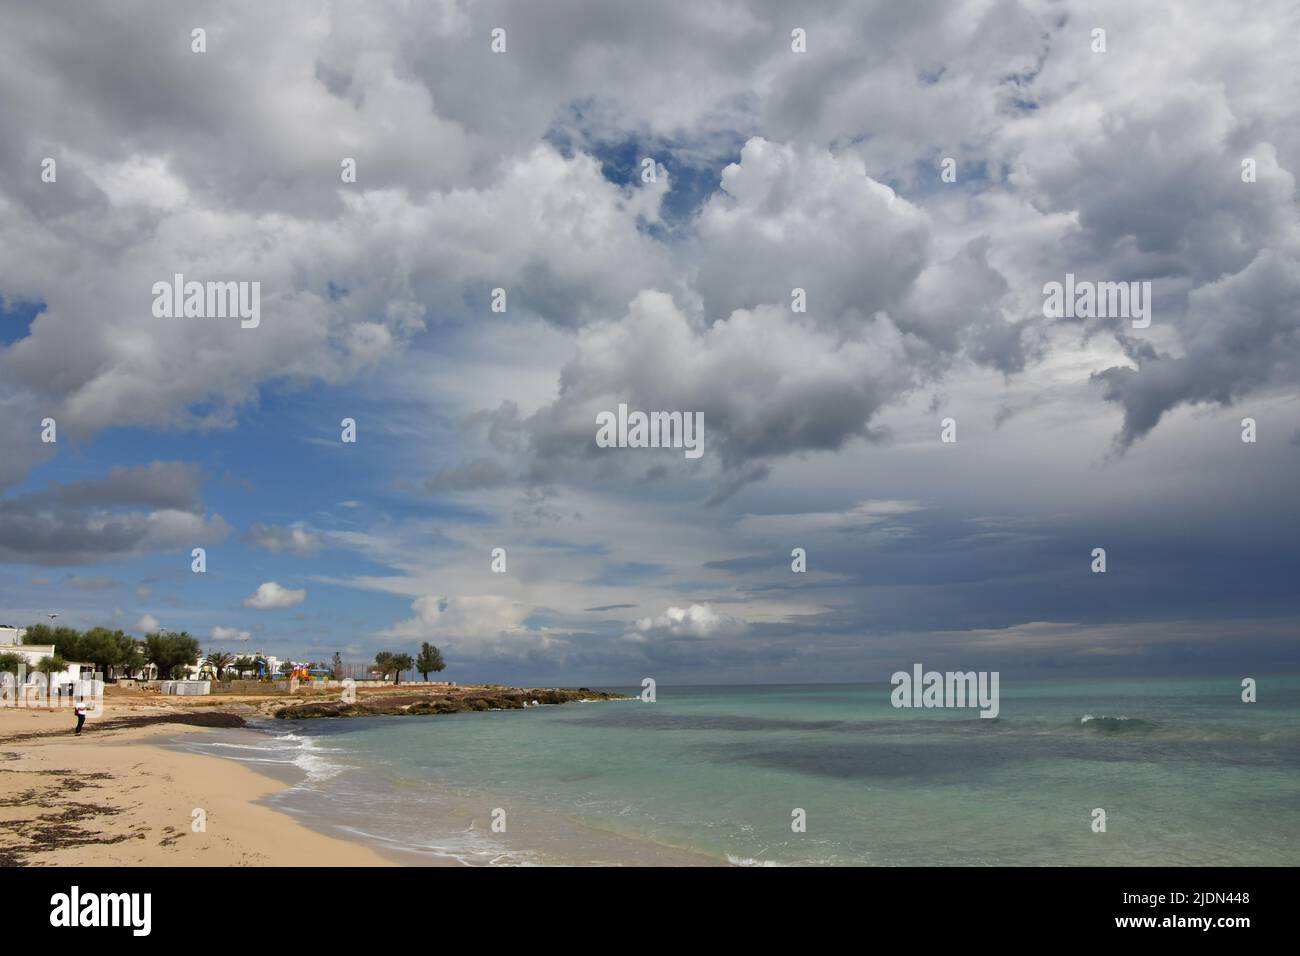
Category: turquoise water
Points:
column 1186, row 772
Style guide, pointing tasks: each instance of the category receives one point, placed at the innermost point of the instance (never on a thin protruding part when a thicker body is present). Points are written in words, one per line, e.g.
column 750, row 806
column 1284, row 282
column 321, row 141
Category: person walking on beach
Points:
column 81, row 714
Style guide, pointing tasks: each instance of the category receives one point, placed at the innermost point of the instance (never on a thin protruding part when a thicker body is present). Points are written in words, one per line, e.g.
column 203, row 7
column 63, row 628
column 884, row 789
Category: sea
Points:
column 1150, row 772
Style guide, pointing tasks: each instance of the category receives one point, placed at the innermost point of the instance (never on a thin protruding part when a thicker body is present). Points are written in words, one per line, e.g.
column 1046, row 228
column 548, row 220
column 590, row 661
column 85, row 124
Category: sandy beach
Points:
column 114, row 797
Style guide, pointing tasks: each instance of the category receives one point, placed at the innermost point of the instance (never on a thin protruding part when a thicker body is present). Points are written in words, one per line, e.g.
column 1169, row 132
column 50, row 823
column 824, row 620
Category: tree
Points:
column 338, row 666
column 101, row 647
column 286, row 668
column 386, row 662
column 133, row 659
column 219, row 661
column 104, row 648
column 66, row 640
column 430, row 659
column 10, row 662
column 400, row 662
column 171, row 651
column 51, row 664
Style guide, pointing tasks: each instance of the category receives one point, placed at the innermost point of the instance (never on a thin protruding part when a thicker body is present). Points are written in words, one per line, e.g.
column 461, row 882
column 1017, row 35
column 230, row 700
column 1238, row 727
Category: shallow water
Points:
column 1186, row 773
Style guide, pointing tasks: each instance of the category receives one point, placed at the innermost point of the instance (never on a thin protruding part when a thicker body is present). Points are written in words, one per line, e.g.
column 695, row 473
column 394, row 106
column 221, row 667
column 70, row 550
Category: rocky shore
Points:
column 444, row 700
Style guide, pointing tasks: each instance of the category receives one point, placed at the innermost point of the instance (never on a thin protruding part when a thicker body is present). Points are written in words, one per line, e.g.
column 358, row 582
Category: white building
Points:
column 11, row 643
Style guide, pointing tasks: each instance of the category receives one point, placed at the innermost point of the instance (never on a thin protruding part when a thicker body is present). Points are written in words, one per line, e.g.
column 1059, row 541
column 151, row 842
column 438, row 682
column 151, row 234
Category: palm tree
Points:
column 219, row 661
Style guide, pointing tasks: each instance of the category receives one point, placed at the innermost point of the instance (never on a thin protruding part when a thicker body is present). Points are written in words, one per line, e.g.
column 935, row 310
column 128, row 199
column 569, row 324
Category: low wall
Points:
column 259, row 687
column 247, row 687
column 185, row 688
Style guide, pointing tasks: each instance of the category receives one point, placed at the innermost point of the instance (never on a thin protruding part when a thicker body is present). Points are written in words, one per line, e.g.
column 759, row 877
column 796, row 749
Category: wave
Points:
column 304, row 753
column 469, row 848
column 1107, row 724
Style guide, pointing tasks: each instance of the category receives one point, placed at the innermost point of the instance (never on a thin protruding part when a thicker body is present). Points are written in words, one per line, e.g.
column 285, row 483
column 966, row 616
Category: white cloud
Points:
column 271, row 595
column 697, row 620
column 790, row 216
column 770, row 383
column 482, row 625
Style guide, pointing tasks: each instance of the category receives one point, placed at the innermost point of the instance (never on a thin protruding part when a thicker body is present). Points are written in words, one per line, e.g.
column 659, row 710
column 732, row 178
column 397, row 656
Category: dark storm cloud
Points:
column 1240, row 333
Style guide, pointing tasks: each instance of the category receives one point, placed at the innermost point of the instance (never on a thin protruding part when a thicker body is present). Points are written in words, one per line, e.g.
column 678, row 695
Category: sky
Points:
column 792, row 146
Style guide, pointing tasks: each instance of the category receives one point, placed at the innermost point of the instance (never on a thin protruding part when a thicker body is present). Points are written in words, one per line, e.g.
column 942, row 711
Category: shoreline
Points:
column 119, row 797
column 126, row 792
column 458, row 828
column 284, row 776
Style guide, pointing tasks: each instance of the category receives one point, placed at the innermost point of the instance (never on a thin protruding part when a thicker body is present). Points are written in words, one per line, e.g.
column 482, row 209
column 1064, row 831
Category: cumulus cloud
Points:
column 271, row 596
column 695, row 621
column 1141, row 163
column 477, row 626
column 859, row 245
column 406, row 244
column 885, row 313
column 769, row 382
column 1008, row 87
column 227, row 634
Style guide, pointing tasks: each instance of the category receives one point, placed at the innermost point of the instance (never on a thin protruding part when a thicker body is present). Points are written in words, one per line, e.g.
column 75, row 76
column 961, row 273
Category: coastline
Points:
column 456, row 831
column 704, row 779
column 118, row 797
column 125, row 793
